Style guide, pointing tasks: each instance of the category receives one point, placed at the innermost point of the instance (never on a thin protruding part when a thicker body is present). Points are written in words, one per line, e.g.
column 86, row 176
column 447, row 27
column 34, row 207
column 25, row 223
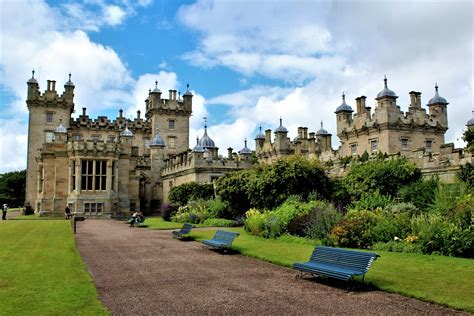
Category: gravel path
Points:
column 140, row 271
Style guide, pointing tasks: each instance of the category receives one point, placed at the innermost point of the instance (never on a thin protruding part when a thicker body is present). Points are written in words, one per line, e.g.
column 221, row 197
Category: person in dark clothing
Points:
column 67, row 213
column 5, row 209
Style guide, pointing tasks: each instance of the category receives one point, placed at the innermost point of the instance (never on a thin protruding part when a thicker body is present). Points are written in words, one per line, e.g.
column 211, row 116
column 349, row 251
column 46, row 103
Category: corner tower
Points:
column 171, row 117
column 46, row 112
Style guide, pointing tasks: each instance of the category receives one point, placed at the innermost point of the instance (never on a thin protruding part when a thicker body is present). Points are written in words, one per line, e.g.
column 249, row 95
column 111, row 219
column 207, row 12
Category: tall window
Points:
column 41, row 179
column 49, row 137
column 95, row 138
column 171, row 124
column 93, row 175
column 114, row 164
column 353, row 149
column 429, row 145
column 49, row 118
column 76, row 137
column 171, row 142
column 73, row 175
column 111, row 138
column 404, row 144
column 374, row 145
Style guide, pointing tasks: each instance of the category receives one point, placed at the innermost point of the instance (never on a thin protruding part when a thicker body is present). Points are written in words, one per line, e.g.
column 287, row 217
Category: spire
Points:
column 69, row 83
column 260, row 135
column 281, row 128
column 437, row 99
column 205, row 124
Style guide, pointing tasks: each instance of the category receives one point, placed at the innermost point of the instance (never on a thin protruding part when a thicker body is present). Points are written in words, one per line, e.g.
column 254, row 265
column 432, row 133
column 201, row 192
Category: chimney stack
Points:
column 48, row 86
column 83, row 111
column 138, row 114
column 53, row 83
column 229, row 153
column 358, row 105
column 268, row 136
column 171, row 94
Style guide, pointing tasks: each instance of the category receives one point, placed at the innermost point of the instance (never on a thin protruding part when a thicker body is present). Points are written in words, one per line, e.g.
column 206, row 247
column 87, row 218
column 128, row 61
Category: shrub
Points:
column 168, row 210
column 183, row 193
column 446, row 196
column 371, row 201
column 194, row 212
column 397, row 246
column 466, row 174
column 421, row 193
column 272, row 226
column 317, row 223
column 402, row 208
column 354, row 230
column 384, row 176
column 218, row 209
column 219, row 222
column 253, row 223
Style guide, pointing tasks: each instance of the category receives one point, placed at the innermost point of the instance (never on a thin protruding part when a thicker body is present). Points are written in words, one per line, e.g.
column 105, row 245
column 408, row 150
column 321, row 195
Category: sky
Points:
column 248, row 63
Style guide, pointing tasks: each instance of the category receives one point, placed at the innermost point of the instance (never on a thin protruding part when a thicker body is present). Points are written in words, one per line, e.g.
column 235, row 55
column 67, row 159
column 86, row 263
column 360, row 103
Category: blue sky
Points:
column 247, row 62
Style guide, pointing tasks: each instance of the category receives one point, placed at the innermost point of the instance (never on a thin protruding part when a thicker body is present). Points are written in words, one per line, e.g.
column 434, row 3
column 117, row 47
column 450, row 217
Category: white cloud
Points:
column 113, row 15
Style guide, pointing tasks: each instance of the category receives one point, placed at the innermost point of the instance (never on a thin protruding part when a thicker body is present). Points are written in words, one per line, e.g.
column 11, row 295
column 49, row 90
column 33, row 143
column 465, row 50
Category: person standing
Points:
column 5, row 209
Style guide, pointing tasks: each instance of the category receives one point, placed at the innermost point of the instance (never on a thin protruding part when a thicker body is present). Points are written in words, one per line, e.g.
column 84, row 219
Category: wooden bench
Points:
column 183, row 232
column 221, row 240
column 337, row 263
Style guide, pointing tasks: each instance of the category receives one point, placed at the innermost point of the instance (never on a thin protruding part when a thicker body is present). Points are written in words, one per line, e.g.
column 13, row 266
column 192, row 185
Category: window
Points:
column 114, row 164
column 171, row 142
column 111, row 139
column 429, row 145
column 76, row 137
column 96, row 138
column 41, row 179
column 49, row 137
column 374, row 144
column 353, row 149
column 93, row 175
column 49, row 118
column 73, row 175
column 404, row 144
column 93, row 208
column 171, row 124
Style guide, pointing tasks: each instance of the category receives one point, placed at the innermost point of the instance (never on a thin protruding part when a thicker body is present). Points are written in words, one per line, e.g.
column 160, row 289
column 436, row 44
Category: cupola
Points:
column 157, row 141
column 386, row 92
column 343, row 107
column 437, row 99
column 281, row 128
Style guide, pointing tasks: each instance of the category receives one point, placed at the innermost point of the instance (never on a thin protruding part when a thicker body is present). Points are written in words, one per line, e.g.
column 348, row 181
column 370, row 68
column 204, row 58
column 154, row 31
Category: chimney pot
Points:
column 84, row 111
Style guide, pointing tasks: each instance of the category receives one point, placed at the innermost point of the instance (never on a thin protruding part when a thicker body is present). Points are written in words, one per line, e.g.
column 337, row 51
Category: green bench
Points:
column 183, row 232
column 221, row 240
column 337, row 263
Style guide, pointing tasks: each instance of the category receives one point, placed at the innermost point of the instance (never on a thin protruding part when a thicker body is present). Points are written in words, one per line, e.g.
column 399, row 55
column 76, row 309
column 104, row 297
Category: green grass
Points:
column 444, row 280
column 159, row 223
column 41, row 272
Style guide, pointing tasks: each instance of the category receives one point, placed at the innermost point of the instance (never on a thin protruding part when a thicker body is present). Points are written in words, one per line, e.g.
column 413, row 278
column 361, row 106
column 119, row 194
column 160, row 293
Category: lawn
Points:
column 444, row 280
column 159, row 223
column 41, row 271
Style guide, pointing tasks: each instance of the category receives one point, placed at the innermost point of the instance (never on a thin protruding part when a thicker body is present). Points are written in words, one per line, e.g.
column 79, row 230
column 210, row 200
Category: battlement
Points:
column 103, row 123
column 50, row 97
column 175, row 104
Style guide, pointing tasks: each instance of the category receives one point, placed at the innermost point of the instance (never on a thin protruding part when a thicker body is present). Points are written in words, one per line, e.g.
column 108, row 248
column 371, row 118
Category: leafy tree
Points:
column 384, row 176
column 12, row 188
column 421, row 193
column 466, row 174
column 231, row 189
column 270, row 185
column 181, row 194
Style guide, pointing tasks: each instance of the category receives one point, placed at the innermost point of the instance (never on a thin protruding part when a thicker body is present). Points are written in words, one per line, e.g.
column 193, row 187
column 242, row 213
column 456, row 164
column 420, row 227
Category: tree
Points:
column 386, row 176
column 181, row 194
column 12, row 188
column 468, row 137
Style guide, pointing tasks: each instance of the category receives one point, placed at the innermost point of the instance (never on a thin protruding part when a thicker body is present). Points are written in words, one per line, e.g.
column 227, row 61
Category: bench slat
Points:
column 222, row 239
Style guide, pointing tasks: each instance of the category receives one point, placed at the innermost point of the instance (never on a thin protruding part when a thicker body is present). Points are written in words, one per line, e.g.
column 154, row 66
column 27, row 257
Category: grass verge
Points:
column 41, row 272
column 159, row 223
column 443, row 280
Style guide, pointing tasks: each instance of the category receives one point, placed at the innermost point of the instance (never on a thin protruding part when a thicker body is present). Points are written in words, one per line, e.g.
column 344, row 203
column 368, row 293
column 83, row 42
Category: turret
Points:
column 438, row 108
column 343, row 115
column 33, row 88
column 188, row 99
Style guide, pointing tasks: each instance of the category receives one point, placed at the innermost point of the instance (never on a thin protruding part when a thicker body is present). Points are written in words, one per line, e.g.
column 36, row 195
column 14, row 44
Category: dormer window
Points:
column 374, row 145
column 49, row 118
column 404, row 143
column 429, row 145
column 171, row 124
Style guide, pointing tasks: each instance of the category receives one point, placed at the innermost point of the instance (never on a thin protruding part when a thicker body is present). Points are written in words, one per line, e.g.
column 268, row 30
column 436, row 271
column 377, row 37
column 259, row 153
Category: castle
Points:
column 106, row 168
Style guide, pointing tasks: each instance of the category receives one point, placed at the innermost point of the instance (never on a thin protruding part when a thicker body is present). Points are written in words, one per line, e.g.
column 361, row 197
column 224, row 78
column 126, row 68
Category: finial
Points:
column 205, row 122
column 281, row 121
column 187, row 87
column 33, row 73
column 156, row 83
column 343, row 97
column 197, row 140
column 260, row 128
column 436, row 86
column 321, row 124
column 149, row 90
column 245, row 142
column 69, row 76
column 385, row 80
